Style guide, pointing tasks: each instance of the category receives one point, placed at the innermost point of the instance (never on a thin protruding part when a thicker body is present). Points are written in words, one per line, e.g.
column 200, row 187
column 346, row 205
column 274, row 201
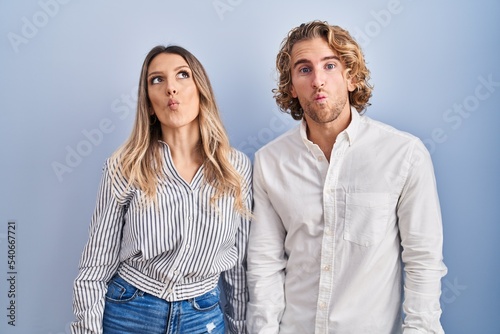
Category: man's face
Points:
column 319, row 81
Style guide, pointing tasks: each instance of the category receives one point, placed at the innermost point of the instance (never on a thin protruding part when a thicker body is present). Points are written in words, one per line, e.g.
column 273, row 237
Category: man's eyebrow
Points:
column 331, row 57
column 300, row 61
column 306, row 61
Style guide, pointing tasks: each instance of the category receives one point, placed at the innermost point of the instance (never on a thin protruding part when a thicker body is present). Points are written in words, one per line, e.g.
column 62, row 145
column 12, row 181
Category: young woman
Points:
column 172, row 215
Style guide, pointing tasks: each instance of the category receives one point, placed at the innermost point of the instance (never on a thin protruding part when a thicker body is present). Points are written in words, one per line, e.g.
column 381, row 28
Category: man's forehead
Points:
column 312, row 48
column 312, row 51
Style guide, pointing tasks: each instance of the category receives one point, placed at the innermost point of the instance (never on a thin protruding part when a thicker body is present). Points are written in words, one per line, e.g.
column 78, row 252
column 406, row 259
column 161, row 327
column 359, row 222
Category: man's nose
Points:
column 318, row 79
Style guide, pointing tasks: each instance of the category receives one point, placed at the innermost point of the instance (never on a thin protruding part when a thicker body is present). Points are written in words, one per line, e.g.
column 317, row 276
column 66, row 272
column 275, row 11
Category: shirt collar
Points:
column 353, row 127
column 351, row 131
column 171, row 171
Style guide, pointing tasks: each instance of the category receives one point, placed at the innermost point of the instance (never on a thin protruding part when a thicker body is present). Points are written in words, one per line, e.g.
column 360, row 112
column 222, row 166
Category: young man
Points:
column 347, row 235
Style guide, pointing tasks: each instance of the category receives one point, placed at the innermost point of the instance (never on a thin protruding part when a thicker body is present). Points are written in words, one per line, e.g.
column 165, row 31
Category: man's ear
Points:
column 292, row 91
column 351, row 84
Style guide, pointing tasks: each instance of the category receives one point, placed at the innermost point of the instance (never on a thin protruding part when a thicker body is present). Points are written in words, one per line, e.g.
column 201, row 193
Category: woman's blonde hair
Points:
column 139, row 158
column 347, row 50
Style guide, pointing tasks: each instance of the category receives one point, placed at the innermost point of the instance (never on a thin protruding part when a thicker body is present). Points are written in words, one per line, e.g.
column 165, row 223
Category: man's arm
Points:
column 266, row 261
column 422, row 240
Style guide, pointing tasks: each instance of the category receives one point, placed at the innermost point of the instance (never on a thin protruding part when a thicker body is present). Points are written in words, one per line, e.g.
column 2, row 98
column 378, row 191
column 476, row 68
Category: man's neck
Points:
column 325, row 134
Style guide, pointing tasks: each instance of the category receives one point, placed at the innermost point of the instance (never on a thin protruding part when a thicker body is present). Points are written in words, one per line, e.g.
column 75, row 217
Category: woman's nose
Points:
column 171, row 89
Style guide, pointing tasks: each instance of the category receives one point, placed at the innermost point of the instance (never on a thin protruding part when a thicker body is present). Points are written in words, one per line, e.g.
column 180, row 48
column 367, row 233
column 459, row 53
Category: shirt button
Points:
column 328, row 231
column 176, row 272
column 169, row 290
column 322, row 305
column 326, row 268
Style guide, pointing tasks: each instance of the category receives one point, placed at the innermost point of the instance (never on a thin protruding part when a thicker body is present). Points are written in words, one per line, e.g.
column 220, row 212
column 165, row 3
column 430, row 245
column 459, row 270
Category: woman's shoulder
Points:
column 113, row 172
column 239, row 160
column 112, row 165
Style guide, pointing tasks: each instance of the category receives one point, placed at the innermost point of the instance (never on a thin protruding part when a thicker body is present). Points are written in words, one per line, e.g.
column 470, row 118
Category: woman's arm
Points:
column 100, row 259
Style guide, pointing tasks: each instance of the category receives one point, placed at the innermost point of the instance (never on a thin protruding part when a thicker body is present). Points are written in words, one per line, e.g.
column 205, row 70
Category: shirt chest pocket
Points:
column 366, row 217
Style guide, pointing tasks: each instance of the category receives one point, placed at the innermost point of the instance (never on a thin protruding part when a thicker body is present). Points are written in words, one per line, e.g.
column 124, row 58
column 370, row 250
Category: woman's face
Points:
column 173, row 92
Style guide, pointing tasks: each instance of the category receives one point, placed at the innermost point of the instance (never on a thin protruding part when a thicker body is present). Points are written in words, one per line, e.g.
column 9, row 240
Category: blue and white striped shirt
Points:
column 174, row 250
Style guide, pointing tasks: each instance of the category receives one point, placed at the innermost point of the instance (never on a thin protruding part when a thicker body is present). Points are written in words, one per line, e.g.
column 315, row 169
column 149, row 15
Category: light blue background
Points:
column 78, row 70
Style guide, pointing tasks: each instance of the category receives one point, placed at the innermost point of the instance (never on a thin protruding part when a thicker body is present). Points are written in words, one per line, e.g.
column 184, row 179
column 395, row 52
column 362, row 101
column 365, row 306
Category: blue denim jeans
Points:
column 130, row 310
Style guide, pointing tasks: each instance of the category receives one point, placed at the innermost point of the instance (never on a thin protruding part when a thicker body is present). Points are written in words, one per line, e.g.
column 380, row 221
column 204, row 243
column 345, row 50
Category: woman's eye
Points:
column 304, row 70
column 330, row 66
column 183, row 75
column 156, row 80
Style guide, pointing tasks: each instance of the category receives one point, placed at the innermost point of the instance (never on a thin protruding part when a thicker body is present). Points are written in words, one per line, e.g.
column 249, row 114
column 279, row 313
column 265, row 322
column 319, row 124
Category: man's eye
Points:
column 304, row 70
column 330, row 66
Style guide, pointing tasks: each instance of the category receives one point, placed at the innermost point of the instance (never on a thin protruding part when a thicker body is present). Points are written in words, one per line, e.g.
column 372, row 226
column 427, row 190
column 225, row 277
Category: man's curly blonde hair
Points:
column 346, row 48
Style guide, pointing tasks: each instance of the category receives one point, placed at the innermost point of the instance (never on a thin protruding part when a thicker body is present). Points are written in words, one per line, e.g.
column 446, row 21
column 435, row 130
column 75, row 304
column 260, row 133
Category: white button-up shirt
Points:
column 333, row 243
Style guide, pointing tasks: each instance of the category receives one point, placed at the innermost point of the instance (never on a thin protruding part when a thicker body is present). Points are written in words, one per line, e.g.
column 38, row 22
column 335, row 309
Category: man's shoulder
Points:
column 388, row 136
column 282, row 142
column 386, row 129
